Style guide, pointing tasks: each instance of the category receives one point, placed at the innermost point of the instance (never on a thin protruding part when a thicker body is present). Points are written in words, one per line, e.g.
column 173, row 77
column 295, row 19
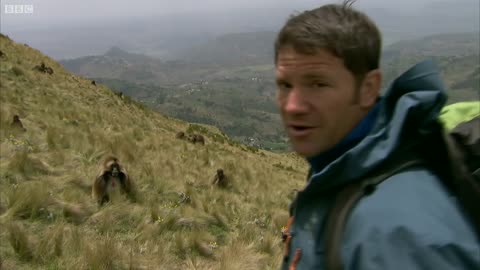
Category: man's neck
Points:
column 360, row 131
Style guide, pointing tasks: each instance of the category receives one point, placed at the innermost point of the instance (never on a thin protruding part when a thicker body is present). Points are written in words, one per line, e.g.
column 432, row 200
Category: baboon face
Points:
column 220, row 172
column 113, row 168
column 16, row 118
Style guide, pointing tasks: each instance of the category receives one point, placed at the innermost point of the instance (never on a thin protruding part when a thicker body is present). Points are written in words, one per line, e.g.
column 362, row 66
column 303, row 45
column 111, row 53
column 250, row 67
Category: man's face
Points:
column 317, row 100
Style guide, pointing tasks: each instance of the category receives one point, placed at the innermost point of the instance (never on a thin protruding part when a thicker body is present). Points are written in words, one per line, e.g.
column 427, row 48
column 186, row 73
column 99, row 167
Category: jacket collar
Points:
column 361, row 130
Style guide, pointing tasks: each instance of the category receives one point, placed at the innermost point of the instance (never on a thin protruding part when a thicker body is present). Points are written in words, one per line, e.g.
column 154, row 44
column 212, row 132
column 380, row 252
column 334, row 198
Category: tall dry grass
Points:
column 179, row 221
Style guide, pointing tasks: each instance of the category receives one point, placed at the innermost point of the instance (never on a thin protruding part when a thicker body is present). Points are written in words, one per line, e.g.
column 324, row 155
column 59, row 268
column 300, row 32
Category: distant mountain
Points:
column 239, row 49
column 118, row 63
column 457, row 55
column 452, row 44
column 116, row 52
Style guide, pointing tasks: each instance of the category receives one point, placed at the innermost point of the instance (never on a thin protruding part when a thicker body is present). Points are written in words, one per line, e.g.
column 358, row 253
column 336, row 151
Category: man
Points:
column 329, row 79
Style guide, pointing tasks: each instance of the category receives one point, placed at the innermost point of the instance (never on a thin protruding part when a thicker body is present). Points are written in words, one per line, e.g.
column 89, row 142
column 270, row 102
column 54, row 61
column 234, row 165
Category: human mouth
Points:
column 299, row 130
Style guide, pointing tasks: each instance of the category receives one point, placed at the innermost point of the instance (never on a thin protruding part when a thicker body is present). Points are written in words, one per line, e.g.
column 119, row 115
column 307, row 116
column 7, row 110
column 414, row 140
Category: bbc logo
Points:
column 18, row 9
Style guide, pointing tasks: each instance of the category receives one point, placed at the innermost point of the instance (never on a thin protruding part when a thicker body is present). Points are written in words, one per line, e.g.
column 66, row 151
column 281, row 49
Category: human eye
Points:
column 318, row 85
column 283, row 85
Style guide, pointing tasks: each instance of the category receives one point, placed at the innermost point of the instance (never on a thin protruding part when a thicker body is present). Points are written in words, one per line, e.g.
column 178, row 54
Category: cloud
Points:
column 59, row 11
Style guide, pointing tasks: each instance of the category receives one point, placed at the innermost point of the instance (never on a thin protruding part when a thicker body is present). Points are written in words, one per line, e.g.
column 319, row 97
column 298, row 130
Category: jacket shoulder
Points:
column 409, row 212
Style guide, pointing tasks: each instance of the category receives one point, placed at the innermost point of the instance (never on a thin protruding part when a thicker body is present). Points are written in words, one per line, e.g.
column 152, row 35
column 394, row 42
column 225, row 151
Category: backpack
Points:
column 453, row 154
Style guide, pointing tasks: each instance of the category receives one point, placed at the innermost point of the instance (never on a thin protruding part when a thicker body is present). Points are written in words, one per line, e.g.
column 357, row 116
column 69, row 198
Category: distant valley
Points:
column 229, row 82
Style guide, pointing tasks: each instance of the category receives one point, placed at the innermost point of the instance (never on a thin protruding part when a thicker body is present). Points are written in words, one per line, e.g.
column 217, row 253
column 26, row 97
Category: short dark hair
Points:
column 347, row 33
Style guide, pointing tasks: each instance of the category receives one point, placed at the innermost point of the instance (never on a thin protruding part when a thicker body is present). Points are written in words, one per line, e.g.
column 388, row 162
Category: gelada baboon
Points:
column 220, row 179
column 94, row 83
column 49, row 70
column 43, row 68
column 112, row 176
column 180, row 135
column 17, row 124
column 119, row 94
column 196, row 138
column 199, row 139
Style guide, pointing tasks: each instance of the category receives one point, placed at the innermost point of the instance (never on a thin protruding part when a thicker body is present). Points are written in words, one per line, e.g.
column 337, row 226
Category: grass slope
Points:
column 49, row 221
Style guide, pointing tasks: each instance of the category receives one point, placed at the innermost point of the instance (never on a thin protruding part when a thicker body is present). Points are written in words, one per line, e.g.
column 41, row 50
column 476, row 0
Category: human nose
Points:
column 295, row 102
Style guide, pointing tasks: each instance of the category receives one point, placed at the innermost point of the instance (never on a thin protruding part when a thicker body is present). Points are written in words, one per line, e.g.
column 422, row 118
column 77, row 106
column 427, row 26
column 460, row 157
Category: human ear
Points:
column 370, row 88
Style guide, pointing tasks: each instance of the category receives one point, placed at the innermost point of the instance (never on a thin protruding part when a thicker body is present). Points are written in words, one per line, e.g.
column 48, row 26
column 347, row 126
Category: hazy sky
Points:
column 69, row 11
column 72, row 28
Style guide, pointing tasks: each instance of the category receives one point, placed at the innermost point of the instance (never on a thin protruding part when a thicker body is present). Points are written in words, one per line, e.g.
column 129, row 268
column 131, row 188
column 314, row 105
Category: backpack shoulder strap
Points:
column 467, row 137
column 454, row 156
column 346, row 200
column 464, row 180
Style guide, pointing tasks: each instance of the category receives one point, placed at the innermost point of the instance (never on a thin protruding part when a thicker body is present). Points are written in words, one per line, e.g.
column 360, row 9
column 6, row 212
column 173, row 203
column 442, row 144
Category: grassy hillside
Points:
column 48, row 219
column 247, row 114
